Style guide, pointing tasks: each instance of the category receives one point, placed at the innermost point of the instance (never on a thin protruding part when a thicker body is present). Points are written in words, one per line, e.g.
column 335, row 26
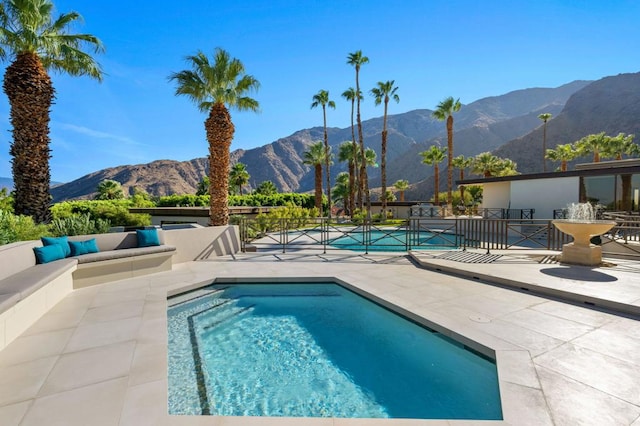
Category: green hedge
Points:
column 277, row 200
column 114, row 211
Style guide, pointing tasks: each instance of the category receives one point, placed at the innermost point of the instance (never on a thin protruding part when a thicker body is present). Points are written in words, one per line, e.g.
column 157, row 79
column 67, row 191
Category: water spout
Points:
column 581, row 212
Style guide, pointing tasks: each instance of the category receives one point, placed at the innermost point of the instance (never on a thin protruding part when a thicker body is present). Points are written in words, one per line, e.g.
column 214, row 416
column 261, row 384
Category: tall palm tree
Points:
column 239, row 176
column 350, row 95
column 340, row 192
column 369, row 161
column 401, row 186
column 322, row 99
column 461, row 163
column 382, row 93
column 444, row 111
column 215, row 87
column 357, row 59
column 35, row 43
column 433, row 156
column 315, row 156
column 562, row 153
column 544, row 117
column 349, row 152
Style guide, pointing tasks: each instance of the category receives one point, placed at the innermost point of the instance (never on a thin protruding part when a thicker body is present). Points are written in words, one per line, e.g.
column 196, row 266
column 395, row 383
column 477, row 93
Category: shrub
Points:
column 78, row 225
column 114, row 211
column 19, row 228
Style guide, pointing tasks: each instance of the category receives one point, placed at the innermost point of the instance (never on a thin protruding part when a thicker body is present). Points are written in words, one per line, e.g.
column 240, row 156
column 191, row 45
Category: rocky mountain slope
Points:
column 483, row 125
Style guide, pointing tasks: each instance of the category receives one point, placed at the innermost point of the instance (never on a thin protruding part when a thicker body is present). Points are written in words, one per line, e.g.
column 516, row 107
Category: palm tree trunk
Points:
column 353, row 166
column 318, row 192
column 436, row 191
column 383, row 160
column 363, row 166
column 462, row 186
column 30, row 92
column 327, row 160
column 220, row 131
column 449, row 159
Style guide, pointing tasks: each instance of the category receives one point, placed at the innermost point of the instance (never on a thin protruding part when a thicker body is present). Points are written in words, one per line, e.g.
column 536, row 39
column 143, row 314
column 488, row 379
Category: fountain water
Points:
column 582, row 225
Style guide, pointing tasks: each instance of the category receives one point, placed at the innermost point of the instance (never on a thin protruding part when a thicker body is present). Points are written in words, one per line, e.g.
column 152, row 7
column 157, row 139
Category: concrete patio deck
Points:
column 99, row 357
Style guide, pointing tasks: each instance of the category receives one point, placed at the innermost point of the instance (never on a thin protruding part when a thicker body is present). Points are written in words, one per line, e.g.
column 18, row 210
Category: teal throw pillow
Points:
column 83, row 247
column 46, row 254
column 62, row 241
column 147, row 237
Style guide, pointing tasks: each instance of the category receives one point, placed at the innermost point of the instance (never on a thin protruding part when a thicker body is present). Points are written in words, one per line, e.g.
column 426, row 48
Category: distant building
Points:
column 613, row 184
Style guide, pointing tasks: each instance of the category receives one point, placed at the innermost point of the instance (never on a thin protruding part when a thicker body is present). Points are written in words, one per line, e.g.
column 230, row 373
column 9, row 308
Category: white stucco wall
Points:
column 495, row 195
column 544, row 195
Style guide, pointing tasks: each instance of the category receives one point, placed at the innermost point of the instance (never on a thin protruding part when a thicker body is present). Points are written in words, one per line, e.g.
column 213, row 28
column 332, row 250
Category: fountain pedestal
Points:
column 581, row 251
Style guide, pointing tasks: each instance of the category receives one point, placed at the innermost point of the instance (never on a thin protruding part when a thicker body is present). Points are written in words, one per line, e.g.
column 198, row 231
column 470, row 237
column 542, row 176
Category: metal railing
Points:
column 414, row 234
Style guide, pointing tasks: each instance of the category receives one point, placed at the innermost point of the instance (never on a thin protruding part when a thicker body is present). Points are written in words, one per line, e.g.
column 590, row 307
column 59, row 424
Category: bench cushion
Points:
column 28, row 281
column 62, row 241
column 8, row 300
column 122, row 253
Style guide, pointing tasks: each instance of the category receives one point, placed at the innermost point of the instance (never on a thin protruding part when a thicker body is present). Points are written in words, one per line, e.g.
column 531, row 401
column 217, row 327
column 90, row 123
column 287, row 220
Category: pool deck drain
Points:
column 100, row 355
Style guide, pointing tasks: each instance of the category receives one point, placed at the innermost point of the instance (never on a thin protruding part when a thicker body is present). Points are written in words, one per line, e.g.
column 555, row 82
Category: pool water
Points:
column 392, row 240
column 317, row 350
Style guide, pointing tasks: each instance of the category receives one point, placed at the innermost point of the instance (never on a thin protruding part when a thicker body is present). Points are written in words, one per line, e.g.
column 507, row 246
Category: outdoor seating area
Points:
column 100, row 351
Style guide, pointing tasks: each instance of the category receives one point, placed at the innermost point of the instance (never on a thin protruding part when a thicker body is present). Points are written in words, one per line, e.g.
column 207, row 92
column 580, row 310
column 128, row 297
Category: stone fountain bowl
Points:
column 583, row 230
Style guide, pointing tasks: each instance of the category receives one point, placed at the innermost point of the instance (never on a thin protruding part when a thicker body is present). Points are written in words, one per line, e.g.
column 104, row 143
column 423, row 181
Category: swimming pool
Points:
column 317, row 350
column 393, row 240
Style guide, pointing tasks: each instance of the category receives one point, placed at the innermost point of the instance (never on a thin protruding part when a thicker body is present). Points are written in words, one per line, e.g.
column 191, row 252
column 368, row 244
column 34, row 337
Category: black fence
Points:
column 323, row 234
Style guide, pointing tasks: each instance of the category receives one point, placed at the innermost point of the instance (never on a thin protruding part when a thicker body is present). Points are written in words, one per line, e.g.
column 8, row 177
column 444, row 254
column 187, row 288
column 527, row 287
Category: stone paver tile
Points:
column 32, row 347
column 617, row 345
column 626, row 326
column 575, row 313
column 524, row 406
column 118, row 297
column 536, row 343
column 275, row 421
column 113, row 312
column 103, row 333
column 556, row 327
column 604, row 373
column 12, row 415
column 386, row 422
column 23, row 381
column 574, row 403
column 149, row 363
column 145, row 404
column 95, row 405
column 517, row 367
column 56, row 321
column 78, row 369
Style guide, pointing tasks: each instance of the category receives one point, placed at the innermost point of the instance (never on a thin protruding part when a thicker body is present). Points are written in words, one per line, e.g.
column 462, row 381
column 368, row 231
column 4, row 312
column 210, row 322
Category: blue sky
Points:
column 432, row 49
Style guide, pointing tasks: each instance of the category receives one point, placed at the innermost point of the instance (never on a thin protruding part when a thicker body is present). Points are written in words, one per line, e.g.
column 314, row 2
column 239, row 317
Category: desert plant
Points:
column 79, row 224
column 19, row 228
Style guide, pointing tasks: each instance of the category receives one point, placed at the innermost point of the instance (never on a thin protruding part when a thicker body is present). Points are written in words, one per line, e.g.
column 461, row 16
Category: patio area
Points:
column 566, row 339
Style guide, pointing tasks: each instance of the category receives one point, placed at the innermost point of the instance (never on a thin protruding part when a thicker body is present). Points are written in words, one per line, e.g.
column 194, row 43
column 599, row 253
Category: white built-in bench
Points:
column 28, row 290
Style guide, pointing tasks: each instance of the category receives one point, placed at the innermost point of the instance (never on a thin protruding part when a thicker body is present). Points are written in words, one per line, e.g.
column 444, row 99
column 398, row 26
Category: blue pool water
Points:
column 317, row 350
column 393, row 240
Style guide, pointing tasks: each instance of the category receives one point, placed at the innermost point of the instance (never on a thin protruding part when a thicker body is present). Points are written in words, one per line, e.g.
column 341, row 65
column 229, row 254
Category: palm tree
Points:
column 340, row 192
column 350, row 94
column 357, row 59
column 544, row 117
column 622, row 145
column 214, row 87
column 383, row 93
column 563, row 154
column 322, row 99
column 239, row 176
column 266, row 188
column 461, row 163
column 109, row 190
column 368, row 161
column 593, row 144
column 444, row 111
column 203, row 186
column 401, row 186
column 315, row 156
column 36, row 43
column 485, row 164
column 349, row 152
column 434, row 156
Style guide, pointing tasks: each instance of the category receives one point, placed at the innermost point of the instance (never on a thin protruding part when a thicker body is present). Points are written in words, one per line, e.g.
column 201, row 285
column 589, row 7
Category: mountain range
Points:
column 508, row 125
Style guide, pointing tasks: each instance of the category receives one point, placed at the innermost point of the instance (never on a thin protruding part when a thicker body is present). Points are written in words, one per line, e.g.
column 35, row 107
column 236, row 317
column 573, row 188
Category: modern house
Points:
column 613, row 184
